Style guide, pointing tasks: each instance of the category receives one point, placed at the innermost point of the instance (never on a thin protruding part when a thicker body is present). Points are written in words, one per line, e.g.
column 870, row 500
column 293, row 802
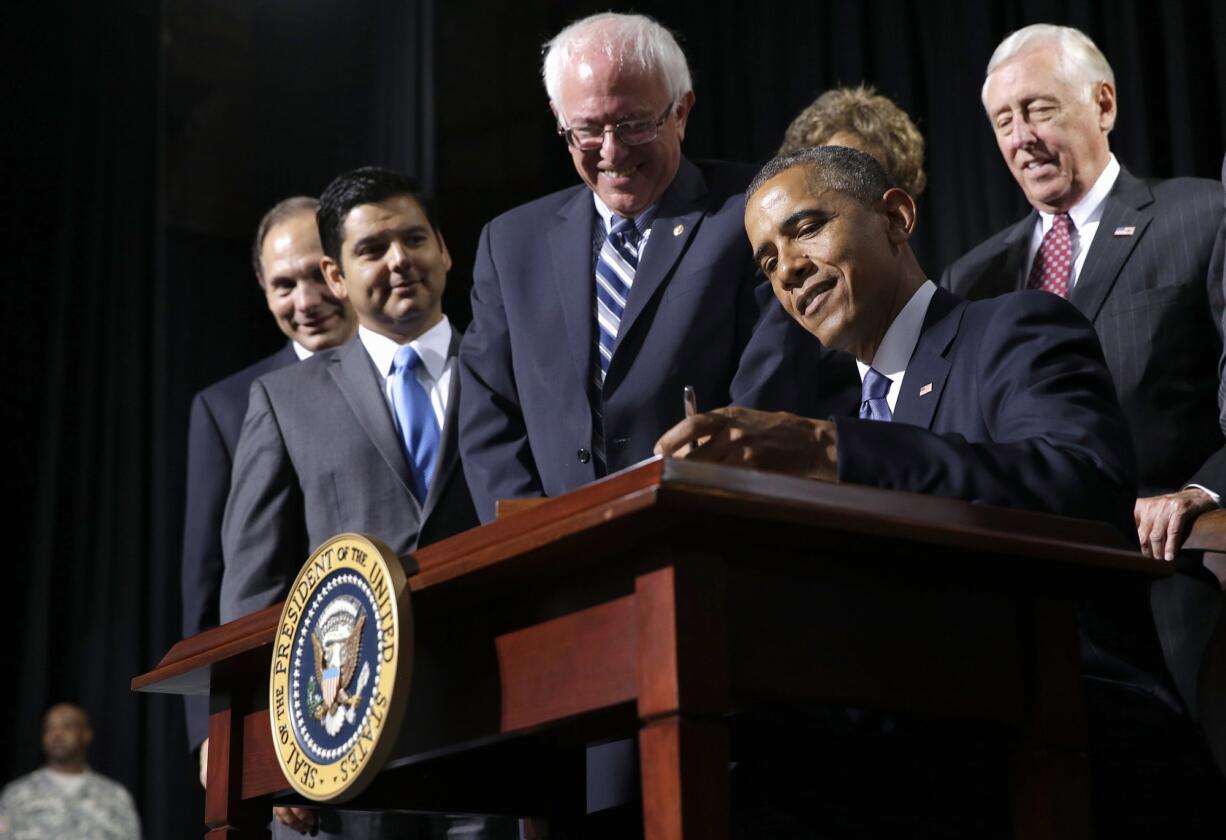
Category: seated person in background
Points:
column 1006, row 402
column 860, row 118
column 65, row 798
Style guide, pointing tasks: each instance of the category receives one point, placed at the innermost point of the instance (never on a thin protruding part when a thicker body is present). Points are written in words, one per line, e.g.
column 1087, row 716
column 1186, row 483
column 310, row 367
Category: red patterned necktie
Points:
column 1054, row 263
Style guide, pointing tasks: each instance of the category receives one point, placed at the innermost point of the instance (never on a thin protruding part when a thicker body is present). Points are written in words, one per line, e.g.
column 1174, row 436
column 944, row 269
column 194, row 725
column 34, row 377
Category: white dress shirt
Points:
column 898, row 343
column 301, row 352
column 434, row 373
column 1085, row 215
column 605, row 213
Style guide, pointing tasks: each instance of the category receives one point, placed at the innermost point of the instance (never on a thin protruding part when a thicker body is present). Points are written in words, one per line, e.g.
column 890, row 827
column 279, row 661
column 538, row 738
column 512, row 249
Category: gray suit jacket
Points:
column 319, row 455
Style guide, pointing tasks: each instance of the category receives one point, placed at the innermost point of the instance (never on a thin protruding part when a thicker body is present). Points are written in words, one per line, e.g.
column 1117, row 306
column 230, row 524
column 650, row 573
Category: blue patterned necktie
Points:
column 873, row 404
column 415, row 418
column 615, row 267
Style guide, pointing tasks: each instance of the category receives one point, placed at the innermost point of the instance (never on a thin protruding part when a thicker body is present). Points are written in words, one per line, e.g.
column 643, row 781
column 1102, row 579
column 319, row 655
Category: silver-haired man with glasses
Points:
column 595, row 306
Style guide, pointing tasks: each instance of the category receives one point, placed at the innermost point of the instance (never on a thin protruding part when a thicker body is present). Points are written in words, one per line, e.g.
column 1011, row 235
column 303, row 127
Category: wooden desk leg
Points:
column 683, row 695
column 1050, row 773
column 225, row 813
column 685, row 779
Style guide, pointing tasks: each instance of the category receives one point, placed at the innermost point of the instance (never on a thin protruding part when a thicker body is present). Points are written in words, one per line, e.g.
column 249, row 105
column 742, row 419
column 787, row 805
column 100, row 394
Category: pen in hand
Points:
column 691, row 401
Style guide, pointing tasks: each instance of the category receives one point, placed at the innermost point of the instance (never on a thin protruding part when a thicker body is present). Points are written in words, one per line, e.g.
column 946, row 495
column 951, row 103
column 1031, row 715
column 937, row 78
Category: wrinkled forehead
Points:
column 1032, row 74
column 594, row 75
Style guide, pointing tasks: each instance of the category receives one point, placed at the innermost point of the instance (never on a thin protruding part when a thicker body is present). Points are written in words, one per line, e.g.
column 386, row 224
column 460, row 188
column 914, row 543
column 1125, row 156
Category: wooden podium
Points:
column 658, row 603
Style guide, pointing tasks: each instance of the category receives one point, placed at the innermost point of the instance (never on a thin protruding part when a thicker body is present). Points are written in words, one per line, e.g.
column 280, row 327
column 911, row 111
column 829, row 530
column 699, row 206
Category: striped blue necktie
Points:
column 415, row 419
column 615, row 267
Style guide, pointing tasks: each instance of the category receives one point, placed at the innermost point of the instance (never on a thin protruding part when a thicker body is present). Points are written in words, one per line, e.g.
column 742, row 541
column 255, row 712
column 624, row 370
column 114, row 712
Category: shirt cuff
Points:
column 1217, row 499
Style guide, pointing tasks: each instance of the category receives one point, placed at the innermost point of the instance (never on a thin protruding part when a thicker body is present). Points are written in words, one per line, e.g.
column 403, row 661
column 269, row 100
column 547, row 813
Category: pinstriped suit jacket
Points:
column 1156, row 300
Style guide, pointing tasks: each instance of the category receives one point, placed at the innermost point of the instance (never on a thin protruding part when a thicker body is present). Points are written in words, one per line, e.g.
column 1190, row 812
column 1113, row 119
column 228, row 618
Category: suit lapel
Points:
column 449, row 445
column 570, row 243
column 1007, row 268
column 1108, row 252
column 924, row 382
column 681, row 209
column 358, row 381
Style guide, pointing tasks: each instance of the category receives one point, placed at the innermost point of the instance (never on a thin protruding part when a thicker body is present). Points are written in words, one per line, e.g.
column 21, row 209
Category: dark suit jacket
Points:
column 1156, row 300
column 212, row 436
column 526, row 361
column 319, row 455
column 1021, row 413
column 1017, row 410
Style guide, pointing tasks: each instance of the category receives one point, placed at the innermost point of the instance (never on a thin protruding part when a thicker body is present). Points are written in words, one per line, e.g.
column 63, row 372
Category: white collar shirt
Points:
column 434, row 373
column 898, row 343
column 1085, row 216
column 606, row 215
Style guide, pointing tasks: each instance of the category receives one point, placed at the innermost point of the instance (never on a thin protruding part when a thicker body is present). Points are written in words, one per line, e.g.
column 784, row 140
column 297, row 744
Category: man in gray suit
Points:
column 322, row 448
column 361, row 437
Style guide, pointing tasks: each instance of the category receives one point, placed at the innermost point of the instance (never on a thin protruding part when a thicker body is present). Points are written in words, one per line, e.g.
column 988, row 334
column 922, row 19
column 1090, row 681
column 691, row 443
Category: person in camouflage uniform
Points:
column 65, row 798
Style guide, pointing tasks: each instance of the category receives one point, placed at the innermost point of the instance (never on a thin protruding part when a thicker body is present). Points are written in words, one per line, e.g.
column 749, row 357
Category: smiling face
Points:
column 294, row 288
column 595, row 91
column 1052, row 138
column 393, row 268
column 831, row 261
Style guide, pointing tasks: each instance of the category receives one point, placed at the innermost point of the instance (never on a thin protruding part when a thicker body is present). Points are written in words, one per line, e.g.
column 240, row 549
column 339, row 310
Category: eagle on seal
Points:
column 335, row 665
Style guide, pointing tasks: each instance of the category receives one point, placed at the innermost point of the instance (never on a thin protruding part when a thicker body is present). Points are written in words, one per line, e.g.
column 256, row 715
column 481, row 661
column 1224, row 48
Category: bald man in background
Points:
column 285, row 257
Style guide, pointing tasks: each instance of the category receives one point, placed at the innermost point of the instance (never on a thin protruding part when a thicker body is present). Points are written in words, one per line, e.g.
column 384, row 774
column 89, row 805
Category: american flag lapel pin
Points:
column 1128, row 230
column 927, row 389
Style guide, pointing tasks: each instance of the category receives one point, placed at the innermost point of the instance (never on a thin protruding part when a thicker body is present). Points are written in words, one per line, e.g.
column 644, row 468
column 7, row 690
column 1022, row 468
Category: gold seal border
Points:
column 345, row 778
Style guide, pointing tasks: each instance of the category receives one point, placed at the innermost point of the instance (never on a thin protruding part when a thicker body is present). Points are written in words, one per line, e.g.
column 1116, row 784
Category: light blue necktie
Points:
column 415, row 419
column 873, row 405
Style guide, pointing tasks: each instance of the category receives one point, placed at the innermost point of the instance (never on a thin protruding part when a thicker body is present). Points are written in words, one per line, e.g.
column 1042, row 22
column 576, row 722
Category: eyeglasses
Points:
column 587, row 138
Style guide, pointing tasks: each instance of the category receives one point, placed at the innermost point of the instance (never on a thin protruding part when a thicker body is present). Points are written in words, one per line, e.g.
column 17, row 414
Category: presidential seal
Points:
column 340, row 668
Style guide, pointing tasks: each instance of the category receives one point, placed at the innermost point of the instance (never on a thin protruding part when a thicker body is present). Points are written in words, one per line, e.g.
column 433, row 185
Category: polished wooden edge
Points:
column 673, row 485
column 1208, row 532
column 977, row 527
column 509, row 507
column 213, row 645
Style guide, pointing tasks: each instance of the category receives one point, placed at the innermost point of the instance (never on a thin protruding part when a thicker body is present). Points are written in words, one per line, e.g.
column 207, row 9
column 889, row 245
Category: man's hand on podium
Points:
column 301, row 820
column 774, row 441
column 1163, row 521
column 204, row 763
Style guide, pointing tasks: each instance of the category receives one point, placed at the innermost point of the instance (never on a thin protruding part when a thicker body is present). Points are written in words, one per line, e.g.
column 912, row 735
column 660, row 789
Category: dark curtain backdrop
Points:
column 144, row 139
